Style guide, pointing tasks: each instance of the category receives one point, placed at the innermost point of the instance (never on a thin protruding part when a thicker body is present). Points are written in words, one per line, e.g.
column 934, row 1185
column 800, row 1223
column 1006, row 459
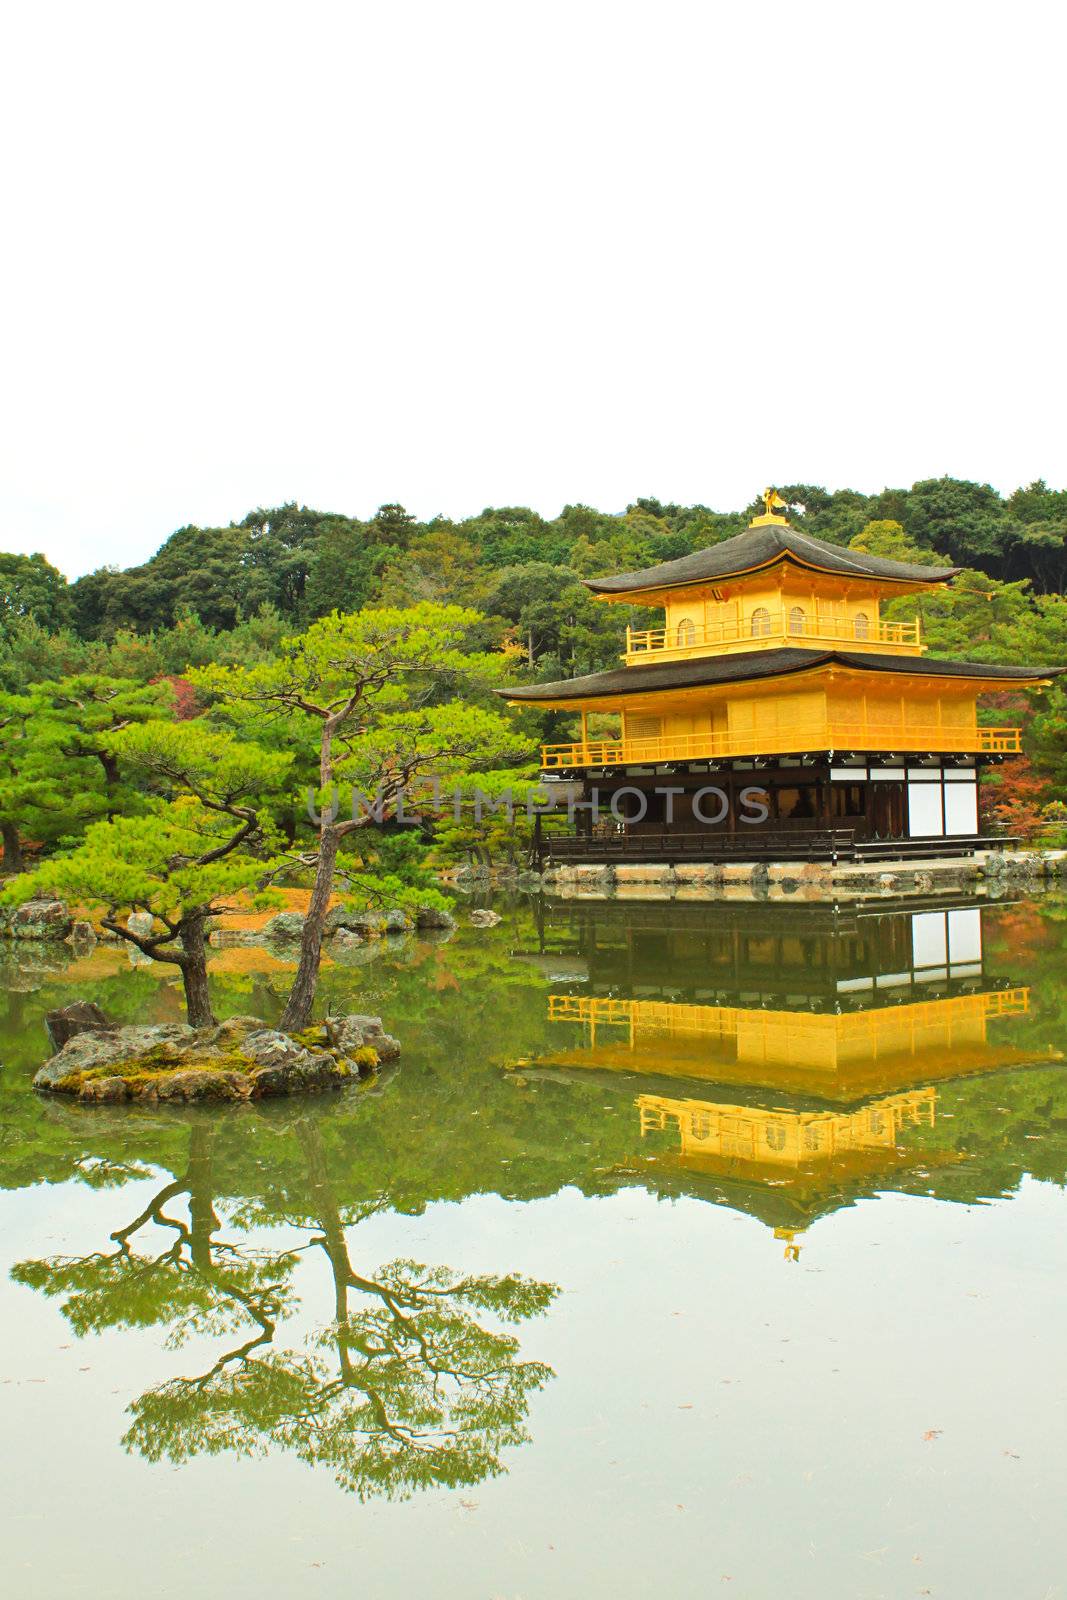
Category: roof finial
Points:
column 772, row 503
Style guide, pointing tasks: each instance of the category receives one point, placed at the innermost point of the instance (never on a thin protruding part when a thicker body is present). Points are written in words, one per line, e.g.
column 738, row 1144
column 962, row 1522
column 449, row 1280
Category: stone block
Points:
column 645, row 872
column 697, row 872
column 735, row 872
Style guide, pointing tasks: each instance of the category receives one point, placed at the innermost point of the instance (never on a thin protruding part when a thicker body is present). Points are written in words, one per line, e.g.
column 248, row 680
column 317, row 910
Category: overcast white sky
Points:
column 463, row 254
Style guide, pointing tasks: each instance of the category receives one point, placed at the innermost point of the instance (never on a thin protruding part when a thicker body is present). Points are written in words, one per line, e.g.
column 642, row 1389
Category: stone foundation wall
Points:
column 988, row 872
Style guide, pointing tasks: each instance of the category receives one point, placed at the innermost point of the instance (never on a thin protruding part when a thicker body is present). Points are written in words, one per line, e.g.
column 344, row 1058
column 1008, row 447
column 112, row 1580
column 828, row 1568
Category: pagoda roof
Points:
column 762, row 546
column 755, row 664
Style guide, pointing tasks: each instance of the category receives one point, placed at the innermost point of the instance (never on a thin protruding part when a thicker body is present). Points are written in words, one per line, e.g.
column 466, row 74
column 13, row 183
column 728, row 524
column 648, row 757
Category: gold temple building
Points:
column 775, row 712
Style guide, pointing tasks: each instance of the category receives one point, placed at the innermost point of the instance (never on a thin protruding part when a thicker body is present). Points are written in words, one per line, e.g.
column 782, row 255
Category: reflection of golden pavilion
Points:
column 786, row 1062
column 835, row 1056
column 756, row 1141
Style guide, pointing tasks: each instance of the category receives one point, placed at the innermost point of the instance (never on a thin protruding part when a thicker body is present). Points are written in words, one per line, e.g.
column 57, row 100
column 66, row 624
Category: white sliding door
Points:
column 924, row 810
column 961, row 808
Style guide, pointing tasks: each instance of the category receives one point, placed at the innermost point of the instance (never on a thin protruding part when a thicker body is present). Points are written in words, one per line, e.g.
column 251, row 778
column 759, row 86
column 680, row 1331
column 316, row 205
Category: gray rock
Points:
column 82, row 933
column 39, row 919
column 485, row 919
column 105, row 1091
column 470, row 873
column 347, row 1034
column 341, row 919
column 141, row 923
column 285, row 927
column 87, row 1052
column 68, row 1021
column 368, row 924
column 239, row 1059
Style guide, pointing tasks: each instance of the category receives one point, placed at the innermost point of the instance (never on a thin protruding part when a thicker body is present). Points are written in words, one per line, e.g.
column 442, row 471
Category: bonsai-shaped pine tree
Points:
column 59, row 761
column 204, row 839
column 368, row 702
column 88, row 712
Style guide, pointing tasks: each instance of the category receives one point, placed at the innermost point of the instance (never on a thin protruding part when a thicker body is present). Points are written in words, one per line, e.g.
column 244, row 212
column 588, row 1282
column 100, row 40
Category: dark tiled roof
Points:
column 759, row 547
column 743, row 668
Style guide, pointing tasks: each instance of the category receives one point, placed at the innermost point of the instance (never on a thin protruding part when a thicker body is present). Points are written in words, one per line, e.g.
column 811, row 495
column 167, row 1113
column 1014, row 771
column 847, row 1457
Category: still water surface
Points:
column 692, row 1249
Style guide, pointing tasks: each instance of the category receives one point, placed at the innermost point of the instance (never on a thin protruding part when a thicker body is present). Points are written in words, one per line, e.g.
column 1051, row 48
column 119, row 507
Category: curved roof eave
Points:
column 756, row 665
column 762, row 547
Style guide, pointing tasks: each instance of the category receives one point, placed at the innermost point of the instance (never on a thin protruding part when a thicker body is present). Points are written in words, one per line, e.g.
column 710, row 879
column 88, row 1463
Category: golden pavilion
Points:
column 775, row 712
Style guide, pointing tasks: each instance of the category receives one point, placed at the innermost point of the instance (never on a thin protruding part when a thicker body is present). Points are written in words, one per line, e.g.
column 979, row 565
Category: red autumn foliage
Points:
column 1012, row 801
column 186, row 705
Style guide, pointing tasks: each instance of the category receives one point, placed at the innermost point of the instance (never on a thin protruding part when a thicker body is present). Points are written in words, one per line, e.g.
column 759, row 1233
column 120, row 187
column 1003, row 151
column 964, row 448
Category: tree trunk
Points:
column 297, row 1013
column 194, row 974
column 110, row 764
column 13, row 857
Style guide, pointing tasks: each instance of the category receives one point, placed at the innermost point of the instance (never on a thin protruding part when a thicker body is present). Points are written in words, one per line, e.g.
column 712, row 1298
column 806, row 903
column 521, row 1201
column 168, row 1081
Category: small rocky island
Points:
column 239, row 1059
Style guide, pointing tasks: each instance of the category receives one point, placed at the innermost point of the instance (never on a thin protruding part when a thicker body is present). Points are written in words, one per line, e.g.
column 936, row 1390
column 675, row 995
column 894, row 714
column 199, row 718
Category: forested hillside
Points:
column 231, row 594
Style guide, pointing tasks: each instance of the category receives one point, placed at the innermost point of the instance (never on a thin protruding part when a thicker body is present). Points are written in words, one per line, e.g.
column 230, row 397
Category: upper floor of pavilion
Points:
column 770, row 586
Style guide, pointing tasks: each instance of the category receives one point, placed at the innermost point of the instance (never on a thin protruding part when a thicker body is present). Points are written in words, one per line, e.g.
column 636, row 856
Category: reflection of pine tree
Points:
column 196, row 1285
column 401, row 1389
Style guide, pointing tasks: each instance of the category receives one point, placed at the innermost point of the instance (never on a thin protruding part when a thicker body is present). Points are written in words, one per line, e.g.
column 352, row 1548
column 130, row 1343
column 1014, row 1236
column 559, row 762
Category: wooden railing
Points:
column 751, row 844
column 800, row 739
column 772, row 628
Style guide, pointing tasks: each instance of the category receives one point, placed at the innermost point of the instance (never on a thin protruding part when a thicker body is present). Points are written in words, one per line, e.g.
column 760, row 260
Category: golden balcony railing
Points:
column 669, row 1017
column 767, row 630
column 798, row 739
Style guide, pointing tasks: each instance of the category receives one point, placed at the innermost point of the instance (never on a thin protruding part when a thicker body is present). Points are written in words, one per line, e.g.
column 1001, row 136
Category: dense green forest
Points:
column 230, row 595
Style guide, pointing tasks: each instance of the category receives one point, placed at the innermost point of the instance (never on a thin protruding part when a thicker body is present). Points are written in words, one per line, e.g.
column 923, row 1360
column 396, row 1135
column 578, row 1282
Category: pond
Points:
column 690, row 1248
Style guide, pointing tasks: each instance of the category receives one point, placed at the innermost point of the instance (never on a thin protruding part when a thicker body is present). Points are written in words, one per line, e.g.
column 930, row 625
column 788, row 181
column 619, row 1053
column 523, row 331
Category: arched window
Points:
column 862, row 625
column 761, row 622
column 687, row 633
column 796, row 620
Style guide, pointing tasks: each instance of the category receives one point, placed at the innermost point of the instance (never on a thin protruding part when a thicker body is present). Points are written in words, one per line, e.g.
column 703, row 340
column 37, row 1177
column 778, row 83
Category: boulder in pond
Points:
column 369, row 924
column 84, row 1016
column 485, row 919
column 434, row 917
column 352, row 1033
column 38, row 919
column 286, row 927
column 238, row 1060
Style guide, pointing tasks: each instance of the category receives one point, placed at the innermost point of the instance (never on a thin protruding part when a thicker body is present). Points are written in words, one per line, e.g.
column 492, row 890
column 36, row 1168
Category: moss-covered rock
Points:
column 240, row 1059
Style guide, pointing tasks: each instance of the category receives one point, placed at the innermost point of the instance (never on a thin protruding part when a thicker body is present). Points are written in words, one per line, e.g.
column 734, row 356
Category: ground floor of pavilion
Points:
column 807, row 808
